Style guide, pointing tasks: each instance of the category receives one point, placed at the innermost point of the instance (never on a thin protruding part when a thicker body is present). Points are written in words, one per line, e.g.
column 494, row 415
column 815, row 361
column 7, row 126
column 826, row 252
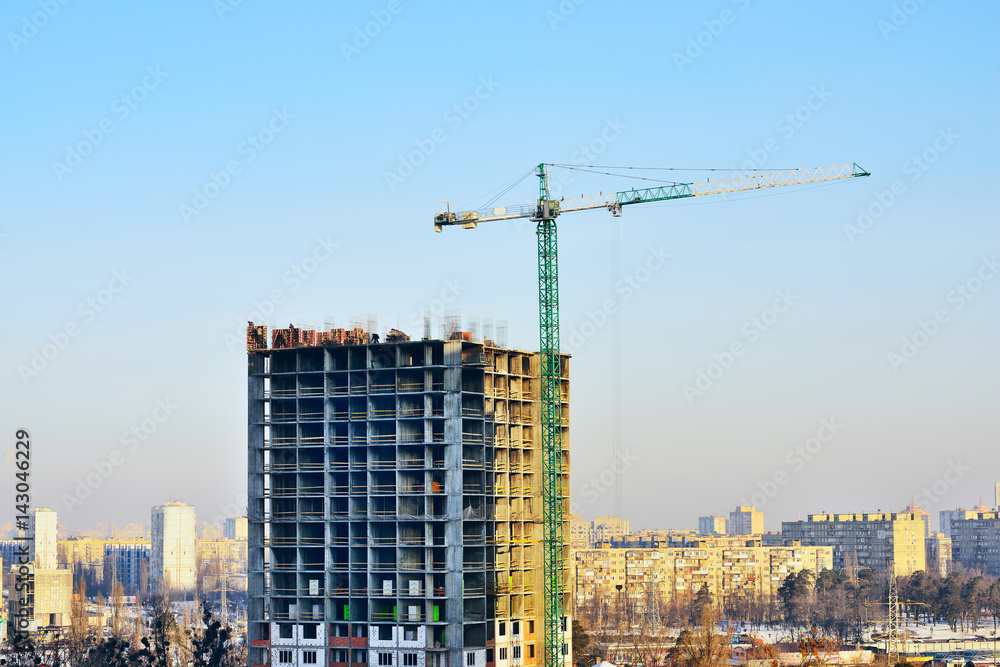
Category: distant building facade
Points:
column 975, row 540
column 128, row 562
column 42, row 526
column 938, row 554
column 608, row 528
column 235, row 528
column 223, row 564
column 712, row 525
column 46, row 593
column 83, row 554
column 727, row 569
column 867, row 540
column 173, row 560
column 581, row 533
column 746, row 520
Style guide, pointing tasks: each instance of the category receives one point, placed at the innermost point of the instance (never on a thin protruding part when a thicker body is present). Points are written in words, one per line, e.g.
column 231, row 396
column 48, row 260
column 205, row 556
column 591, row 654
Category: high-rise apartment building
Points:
column 172, row 562
column 42, row 526
column 235, row 528
column 975, row 540
column 127, row 561
column 712, row 525
column 746, row 520
column 865, row 540
column 395, row 507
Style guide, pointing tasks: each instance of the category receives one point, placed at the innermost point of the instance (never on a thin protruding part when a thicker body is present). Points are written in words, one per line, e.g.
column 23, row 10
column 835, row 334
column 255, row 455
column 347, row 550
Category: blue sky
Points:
column 213, row 154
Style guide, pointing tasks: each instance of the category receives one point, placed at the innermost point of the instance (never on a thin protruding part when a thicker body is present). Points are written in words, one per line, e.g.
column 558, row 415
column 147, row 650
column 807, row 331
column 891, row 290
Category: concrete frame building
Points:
column 395, row 509
column 868, row 540
column 173, row 558
column 746, row 520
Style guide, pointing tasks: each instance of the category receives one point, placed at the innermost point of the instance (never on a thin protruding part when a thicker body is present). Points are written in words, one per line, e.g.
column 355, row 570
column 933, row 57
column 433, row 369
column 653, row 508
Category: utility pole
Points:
column 892, row 633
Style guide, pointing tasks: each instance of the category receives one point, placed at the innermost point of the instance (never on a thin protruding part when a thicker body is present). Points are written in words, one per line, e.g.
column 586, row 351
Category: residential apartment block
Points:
column 662, row 575
column 746, row 520
column 127, row 561
column 712, row 525
column 975, row 540
column 173, row 563
column 865, row 540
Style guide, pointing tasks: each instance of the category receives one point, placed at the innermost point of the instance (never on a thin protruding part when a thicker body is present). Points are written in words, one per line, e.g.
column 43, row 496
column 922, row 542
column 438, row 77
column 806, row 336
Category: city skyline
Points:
column 160, row 193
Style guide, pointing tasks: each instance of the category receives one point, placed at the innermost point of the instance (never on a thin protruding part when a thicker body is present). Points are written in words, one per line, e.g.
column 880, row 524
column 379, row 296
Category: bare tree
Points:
column 702, row 646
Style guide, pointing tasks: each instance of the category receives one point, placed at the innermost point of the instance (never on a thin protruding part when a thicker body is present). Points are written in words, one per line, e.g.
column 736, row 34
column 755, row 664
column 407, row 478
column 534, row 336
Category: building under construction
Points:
column 395, row 501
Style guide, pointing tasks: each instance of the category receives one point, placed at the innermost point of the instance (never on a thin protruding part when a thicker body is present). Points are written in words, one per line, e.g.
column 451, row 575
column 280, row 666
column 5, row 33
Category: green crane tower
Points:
column 544, row 214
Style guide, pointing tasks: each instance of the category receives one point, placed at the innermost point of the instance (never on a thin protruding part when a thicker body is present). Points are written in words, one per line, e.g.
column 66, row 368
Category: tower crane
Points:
column 544, row 213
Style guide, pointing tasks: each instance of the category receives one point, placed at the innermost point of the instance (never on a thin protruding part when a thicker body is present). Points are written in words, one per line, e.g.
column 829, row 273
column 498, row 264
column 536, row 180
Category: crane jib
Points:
column 615, row 200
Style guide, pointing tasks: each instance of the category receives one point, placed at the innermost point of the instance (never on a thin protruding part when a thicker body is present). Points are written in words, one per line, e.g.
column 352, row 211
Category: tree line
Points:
column 162, row 640
column 838, row 604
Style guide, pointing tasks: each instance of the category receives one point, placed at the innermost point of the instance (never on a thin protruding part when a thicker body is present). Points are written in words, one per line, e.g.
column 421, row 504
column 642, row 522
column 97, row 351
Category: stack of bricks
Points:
column 256, row 337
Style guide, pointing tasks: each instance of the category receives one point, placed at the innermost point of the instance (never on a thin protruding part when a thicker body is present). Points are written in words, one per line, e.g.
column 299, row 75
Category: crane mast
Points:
column 551, row 413
column 544, row 214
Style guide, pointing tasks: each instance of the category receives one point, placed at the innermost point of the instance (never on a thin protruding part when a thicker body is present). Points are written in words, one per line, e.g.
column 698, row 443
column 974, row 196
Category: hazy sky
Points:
column 168, row 170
